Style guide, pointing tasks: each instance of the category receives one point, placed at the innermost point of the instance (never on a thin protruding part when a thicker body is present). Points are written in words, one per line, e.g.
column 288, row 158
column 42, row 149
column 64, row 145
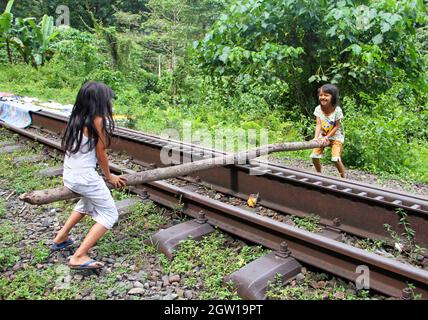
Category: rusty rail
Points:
column 352, row 207
column 386, row 276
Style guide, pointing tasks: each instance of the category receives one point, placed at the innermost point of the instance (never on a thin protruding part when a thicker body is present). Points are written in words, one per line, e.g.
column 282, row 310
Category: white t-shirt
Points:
column 328, row 123
column 82, row 159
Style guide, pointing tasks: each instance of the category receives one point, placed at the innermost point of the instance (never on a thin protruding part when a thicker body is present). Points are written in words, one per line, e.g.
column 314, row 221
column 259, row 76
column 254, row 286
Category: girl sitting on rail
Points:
column 329, row 128
column 86, row 137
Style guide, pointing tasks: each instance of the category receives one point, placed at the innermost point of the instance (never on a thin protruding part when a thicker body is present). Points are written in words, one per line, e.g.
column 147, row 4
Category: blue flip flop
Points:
column 86, row 265
column 62, row 245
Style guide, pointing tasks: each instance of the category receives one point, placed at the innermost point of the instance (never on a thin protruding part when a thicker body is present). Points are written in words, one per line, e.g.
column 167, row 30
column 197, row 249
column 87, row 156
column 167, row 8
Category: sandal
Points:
column 87, row 265
column 62, row 245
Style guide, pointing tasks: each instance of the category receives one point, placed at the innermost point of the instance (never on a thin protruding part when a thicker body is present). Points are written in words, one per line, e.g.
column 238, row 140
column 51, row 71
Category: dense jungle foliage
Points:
column 251, row 64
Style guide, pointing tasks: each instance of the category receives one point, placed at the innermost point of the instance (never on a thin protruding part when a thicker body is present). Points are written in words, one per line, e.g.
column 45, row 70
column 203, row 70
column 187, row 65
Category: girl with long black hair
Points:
column 86, row 137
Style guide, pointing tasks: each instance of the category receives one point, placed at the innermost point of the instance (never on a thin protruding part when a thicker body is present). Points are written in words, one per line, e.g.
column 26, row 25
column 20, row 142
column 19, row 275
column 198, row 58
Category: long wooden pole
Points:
column 62, row 193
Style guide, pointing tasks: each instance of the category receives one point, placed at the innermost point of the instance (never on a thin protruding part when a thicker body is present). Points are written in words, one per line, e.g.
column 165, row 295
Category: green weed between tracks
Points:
column 23, row 177
column 9, row 238
column 309, row 223
column 314, row 287
column 210, row 260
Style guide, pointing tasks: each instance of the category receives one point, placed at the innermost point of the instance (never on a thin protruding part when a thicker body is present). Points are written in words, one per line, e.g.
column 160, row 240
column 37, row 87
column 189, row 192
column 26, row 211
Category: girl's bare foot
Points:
column 79, row 261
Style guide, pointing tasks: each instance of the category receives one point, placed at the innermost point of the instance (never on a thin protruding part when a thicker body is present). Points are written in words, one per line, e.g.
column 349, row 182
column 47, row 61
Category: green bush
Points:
column 386, row 133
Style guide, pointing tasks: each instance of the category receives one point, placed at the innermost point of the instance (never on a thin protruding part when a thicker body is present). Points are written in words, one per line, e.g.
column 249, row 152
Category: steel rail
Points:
column 386, row 275
column 349, row 206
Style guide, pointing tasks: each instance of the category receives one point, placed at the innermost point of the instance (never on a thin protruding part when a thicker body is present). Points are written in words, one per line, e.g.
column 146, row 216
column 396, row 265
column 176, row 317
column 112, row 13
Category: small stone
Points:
column 159, row 284
column 108, row 260
column 165, row 280
column 135, row 291
column 156, row 297
column 154, row 275
column 39, row 266
column 300, row 277
column 339, row 295
column 290, row 223
column 170, row 297
column 152, row 283
column 132, row 277
column 169, row 290
column 78, row 277
column 138, row 284
column 188, row 294
column 146, row 285
column 218, row 196
column 174, row 278
column 180, row 292
column 46, row 222
column 17, row 266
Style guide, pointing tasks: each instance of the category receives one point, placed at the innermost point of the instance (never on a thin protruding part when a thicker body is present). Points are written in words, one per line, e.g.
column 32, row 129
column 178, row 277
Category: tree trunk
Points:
column 62, row 193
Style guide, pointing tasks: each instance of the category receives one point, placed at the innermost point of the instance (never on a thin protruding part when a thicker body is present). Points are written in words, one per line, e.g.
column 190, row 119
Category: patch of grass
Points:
column 9, row 237
column 34, row 284
column 127, row 238
column 9, row 234
column 121, row 194
column 406, row 241
column 41, row 252
column 414, row 295
column 24, row 80
column 9, row 256
column 23, row 178
column 309, row 223
column 215, row 259
column 370, row 244
column 304, row 291
column 144, row 216
column 2, row 209
column 110, row 244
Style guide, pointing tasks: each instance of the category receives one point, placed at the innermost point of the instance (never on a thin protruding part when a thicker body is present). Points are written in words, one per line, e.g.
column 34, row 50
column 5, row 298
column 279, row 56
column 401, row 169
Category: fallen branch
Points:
column 62, row 193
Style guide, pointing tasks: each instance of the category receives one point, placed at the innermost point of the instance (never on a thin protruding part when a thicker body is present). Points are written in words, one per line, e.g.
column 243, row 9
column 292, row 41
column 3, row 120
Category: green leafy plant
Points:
column 33, row 41
column 360, row 47
column 6, row 30
column 41, row 252
column 405, row 241
column 2, row 209
column 309, row 223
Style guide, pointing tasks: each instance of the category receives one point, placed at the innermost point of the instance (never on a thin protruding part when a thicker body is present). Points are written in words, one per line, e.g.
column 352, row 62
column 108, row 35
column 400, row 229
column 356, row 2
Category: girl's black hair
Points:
column 331, row 89
column 93, row 100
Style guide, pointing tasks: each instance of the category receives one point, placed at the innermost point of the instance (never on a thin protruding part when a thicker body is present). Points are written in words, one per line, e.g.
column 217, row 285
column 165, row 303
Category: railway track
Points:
column 344, row 206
